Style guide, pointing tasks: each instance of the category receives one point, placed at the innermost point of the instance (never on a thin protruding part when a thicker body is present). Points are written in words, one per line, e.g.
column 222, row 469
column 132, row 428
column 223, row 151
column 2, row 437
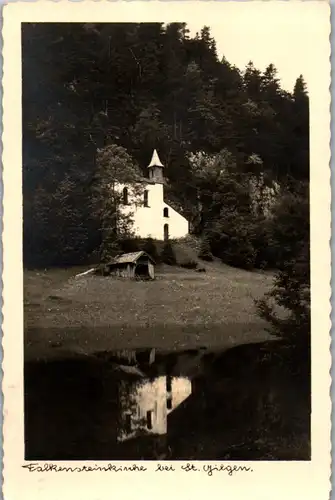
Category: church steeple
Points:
column 156, row 169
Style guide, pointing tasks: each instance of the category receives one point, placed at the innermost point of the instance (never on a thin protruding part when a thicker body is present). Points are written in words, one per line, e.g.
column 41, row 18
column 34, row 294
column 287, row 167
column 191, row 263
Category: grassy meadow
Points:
column 180, row 309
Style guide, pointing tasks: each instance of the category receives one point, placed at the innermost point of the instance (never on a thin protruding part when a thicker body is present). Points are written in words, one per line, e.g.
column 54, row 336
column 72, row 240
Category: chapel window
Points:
column 149, row 419
column 125, row 196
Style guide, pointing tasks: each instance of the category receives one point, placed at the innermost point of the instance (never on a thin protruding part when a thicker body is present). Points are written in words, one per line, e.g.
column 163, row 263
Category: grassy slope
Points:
column 180, row 309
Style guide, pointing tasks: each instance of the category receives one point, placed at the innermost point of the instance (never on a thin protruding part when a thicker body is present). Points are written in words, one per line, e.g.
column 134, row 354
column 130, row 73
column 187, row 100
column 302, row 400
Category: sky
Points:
column 287, row 34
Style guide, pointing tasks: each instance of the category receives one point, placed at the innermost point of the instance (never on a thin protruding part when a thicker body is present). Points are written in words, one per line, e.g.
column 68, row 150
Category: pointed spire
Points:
column 155, row 161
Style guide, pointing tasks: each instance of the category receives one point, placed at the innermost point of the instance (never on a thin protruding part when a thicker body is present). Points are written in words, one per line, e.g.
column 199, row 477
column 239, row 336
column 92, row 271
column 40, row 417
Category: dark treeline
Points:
column 90, row 90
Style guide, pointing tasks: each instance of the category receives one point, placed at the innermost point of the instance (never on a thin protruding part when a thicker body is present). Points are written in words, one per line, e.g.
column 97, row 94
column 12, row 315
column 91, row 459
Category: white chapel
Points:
column 153, row 218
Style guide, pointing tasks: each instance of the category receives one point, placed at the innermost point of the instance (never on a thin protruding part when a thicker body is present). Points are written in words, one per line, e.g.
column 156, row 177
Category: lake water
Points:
column 149, row 404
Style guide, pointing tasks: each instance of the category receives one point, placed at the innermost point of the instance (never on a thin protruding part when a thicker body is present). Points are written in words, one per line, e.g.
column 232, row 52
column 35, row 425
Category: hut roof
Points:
column 130, row 258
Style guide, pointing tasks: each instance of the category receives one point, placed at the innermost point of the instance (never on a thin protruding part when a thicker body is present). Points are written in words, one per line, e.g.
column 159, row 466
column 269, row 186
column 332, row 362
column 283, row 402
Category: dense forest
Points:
column 97, row 94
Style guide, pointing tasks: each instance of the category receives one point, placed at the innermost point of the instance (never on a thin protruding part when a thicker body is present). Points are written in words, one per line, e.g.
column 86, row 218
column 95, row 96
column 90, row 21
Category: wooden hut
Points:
column 135, row 265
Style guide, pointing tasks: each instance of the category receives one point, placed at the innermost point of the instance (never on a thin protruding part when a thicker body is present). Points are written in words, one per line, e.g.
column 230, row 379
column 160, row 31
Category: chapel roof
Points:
column 155, row 161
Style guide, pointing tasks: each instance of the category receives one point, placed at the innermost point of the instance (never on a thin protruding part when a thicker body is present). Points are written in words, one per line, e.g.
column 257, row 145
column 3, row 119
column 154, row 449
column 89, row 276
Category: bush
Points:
column 205, row 250
column 109, row 250
column 239, row 252
column 218, row 243
column 150, row 248
column 168, row 256
column 185, row 256
column 236, row 246
column 191, row 242
column 130, row 245
column 267, row 253
column 291, row 289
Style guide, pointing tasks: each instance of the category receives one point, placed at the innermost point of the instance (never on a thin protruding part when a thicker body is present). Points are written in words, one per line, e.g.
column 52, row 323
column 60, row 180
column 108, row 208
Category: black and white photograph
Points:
column 166, row 246
column 166, row 234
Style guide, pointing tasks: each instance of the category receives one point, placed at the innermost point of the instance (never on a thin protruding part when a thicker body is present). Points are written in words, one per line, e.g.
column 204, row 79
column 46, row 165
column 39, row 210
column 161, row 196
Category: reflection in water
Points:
column 149, row 405
column 145, row 405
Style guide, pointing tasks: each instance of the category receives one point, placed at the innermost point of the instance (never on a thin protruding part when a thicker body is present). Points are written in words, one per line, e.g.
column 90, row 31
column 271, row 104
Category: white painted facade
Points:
column 152, row 217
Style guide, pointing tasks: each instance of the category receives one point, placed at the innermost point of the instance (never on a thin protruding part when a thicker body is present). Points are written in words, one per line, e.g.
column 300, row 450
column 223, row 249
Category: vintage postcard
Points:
column 166, row 250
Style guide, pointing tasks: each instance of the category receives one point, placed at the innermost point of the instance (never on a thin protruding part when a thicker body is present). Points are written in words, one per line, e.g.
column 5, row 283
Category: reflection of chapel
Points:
column 146, row 405
column 154, row 218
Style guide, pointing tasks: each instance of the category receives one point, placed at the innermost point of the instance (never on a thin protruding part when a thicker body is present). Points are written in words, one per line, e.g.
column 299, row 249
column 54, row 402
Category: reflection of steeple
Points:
column 145, row 405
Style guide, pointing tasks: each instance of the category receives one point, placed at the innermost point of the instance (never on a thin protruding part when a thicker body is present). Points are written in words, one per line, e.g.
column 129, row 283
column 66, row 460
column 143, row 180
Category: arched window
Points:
column 166, row 212
column 146, row 198
column 149, row 419
column 125, row 196
column 166, row 232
